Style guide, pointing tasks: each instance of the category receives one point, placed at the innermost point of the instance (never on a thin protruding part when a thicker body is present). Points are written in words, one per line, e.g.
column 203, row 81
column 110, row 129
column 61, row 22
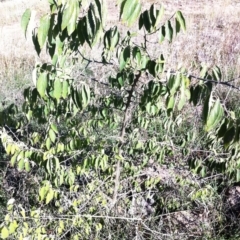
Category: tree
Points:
column 88, row 136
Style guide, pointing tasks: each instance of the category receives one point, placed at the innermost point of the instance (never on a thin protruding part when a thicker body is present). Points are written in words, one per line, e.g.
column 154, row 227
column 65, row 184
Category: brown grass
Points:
column 212, row 37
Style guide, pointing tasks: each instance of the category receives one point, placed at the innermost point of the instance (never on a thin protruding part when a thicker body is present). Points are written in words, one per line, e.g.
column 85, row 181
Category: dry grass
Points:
column 212, row 36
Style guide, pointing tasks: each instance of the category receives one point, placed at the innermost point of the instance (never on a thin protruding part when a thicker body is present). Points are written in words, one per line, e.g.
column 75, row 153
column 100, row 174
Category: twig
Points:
column 127, row 114
column 93, row 61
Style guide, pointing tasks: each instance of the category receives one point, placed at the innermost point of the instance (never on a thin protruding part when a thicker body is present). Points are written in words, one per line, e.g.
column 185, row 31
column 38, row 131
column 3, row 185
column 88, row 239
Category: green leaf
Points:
column 65, row 88
column 91, row 24
column 4, row 233
column 54, row 127
column 130, row 11
column 169, row 31
column 42, row 193
column 134, row 16
column 21, row 164
column 48, row 143
column 159, row 15
column 35, row 42
column 25, row 20
column 170, row 102
column 217, row 73
column 124, row 57
column 43, row 30
column 174, row 83
column 49, row 196
column 85, row 95
column 42, row 83
column 52, row 135
column 13, row 226
column 182, row 101
column 203, row 72
column 229, row 136
column 181, row 20
column 177, row 26
column 72, row 22
column 147, row 20
column 114, row 38
column 151, row 67
column 68, row 14
column 27, row 166
column 152, row 14
column 162, row 34
column 57, row 91
column 215, row 115
column 137, row 55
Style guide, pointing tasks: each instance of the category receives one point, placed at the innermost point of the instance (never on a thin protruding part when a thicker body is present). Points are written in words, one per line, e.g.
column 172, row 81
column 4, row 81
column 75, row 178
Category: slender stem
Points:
column 127, row 116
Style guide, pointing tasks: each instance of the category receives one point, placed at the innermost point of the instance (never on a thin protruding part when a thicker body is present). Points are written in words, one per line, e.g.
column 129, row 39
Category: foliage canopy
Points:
column 91, row 128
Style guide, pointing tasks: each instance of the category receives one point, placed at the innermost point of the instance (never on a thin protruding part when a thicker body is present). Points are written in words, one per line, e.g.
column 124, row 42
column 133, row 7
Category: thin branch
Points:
column 93, row 61
column 217, row 82
column 220, row 82
column 127, row 114
column 71, row 217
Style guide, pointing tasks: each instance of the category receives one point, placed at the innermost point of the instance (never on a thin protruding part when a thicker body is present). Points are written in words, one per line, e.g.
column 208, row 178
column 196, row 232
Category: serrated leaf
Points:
column 25, row 20
column 42, row 83
column 43, row 30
